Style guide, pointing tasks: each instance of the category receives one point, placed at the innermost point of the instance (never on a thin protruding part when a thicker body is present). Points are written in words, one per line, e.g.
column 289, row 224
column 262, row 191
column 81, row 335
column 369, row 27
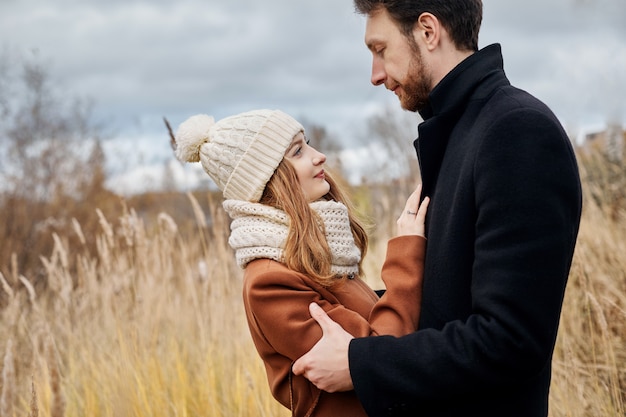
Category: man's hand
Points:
column 326, row 364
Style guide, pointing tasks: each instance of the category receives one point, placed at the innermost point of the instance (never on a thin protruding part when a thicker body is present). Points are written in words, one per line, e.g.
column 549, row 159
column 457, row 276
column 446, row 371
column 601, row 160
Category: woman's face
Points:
column 309, row 166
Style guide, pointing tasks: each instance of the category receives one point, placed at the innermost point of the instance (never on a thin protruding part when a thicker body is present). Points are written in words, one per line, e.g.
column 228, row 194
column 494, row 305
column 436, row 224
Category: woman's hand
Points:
column 412, row 219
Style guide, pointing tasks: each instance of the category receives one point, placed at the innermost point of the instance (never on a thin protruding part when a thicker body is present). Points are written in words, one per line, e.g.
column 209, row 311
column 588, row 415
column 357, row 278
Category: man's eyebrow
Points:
column 371, row 43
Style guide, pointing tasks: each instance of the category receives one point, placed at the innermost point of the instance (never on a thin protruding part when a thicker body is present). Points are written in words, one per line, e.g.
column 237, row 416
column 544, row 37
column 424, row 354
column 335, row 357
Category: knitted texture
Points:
column 260, row 231
column 240, row 153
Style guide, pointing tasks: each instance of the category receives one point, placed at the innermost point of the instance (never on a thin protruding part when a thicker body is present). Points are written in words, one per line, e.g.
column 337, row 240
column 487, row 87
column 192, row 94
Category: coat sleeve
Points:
column 397, row 311
column 277, row 306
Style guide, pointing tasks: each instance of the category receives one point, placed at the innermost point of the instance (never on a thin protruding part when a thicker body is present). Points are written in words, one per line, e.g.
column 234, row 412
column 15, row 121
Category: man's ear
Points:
column 427, row 31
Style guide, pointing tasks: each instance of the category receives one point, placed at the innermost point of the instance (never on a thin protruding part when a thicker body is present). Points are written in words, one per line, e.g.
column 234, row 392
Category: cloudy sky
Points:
column 140, row 60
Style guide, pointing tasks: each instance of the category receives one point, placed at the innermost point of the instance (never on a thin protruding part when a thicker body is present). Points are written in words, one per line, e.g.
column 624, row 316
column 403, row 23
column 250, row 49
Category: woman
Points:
column 295, row 235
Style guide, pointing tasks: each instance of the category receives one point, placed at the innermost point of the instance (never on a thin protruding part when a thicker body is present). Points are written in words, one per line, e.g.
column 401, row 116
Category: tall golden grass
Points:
column 151, row 323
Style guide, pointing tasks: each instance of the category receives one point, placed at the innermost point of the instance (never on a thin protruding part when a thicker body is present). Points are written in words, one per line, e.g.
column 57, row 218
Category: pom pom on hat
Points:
column 241, row 152
column 191, row 135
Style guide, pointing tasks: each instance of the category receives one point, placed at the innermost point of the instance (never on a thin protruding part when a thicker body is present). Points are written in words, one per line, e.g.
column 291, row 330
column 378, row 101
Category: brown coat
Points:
column 277, row 301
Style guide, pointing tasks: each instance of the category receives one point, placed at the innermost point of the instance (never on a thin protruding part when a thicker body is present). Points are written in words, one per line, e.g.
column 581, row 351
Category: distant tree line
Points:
column 52, row 165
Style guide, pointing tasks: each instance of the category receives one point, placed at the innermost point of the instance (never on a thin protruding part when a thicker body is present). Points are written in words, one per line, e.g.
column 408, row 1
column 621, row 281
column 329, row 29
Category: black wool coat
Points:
column 501, row 228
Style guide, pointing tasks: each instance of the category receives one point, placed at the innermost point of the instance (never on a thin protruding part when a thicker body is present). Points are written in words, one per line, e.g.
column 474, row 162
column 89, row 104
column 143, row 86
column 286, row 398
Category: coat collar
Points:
column 454, row 89
column 475, row 77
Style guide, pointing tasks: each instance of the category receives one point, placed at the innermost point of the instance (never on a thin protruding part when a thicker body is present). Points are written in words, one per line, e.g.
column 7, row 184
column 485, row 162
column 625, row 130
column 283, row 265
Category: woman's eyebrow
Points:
column 294, row 143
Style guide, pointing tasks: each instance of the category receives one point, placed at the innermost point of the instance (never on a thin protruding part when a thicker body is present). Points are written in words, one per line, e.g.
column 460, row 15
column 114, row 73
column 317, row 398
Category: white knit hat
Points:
column 240, row 153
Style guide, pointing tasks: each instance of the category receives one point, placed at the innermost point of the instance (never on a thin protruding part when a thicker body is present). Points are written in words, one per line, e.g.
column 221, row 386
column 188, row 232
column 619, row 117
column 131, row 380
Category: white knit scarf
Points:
column 260, row 231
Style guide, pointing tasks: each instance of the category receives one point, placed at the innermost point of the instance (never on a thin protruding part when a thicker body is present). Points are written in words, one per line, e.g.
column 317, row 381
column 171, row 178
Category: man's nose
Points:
column 378, row 72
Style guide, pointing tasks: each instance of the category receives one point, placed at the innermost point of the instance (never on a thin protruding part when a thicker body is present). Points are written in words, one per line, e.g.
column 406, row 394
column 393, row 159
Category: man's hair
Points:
column 306, row 249
column 460, row 18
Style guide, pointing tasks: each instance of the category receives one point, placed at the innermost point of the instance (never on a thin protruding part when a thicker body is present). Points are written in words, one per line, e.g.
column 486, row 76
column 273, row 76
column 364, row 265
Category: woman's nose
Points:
column 319, row 159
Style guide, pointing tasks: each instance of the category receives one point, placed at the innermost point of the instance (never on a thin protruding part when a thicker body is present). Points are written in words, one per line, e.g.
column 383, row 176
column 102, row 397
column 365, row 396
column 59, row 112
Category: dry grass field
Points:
column 149, row 320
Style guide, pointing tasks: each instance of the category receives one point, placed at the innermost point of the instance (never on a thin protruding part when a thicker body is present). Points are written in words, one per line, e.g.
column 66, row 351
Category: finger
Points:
column 421, row 212
column 298, row 366
column 412, row 202
column 321, row 317
column 418, row 190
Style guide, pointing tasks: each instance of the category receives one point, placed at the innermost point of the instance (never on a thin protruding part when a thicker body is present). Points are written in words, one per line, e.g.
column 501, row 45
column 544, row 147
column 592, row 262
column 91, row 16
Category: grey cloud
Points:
column 141, row 59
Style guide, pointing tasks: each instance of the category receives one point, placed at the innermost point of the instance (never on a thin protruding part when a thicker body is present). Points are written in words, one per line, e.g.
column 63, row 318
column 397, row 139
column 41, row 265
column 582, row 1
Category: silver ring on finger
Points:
column 412, row 213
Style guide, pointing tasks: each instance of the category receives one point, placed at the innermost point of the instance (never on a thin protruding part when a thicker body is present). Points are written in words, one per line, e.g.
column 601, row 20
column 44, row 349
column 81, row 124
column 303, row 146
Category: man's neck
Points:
column 447, row 61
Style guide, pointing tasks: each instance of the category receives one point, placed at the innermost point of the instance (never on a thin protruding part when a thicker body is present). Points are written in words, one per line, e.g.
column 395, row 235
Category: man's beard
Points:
column 418, row 84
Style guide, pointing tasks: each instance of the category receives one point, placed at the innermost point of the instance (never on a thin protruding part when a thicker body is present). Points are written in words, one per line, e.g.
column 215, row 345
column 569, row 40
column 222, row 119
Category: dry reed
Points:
column 34, row 406
column 8, row 382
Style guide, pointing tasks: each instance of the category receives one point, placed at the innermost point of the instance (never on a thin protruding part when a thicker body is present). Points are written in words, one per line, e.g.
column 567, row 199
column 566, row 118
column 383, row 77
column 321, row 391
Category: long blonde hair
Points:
column 306, row 249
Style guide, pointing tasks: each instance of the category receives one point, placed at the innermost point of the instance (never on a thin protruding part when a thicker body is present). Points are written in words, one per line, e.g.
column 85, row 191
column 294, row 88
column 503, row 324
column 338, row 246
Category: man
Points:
column 502, row 225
